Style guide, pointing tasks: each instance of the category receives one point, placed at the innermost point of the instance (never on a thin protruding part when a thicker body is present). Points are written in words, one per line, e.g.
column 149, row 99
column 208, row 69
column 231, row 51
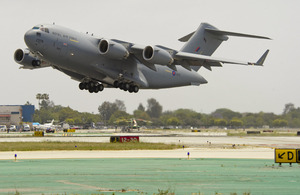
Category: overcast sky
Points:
column 239, row 88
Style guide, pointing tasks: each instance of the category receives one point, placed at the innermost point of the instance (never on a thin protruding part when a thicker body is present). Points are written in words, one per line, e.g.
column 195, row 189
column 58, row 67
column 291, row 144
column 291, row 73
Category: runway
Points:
column 191, row 140
column 247, row 153
column 215, row 165
column 199, row 147
column 147, row 176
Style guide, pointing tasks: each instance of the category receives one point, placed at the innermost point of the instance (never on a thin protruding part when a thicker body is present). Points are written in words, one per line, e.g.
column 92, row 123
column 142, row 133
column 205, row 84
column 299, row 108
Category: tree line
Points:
column 114, row 113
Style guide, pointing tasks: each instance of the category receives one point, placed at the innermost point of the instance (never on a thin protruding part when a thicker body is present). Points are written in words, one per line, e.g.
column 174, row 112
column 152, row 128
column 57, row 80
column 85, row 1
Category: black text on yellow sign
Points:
column 286, row 155
column 71, row 131
column 38, row 133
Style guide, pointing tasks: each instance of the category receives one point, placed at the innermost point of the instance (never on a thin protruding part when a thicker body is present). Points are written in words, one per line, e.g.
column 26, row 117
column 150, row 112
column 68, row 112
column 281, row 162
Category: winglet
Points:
column 262, row 58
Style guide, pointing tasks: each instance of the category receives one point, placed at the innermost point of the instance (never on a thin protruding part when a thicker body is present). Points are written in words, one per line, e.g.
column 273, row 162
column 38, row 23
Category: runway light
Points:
column 16, row 157
column 183, row 146
column 188, row 155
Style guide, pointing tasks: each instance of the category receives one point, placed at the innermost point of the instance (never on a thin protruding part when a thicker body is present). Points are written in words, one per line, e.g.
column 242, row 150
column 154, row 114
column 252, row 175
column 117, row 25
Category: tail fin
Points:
column 206, row 39
column 202, row 42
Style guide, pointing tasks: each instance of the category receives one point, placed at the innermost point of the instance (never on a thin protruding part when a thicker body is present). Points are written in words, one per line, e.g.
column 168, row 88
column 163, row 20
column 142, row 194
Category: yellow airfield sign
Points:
column 286, row 155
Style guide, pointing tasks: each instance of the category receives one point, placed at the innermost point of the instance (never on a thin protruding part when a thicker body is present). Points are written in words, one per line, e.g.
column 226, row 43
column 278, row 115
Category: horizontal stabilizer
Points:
column 217, row 32
column 221, row 32
column 186, row 37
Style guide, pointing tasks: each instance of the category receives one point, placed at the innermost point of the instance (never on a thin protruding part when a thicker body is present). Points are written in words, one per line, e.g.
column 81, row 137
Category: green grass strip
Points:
column 38, row 146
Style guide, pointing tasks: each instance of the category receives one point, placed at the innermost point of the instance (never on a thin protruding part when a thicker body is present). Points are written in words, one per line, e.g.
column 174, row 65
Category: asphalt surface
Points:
column 208, row 164
column 192, row 140
column 148, row 176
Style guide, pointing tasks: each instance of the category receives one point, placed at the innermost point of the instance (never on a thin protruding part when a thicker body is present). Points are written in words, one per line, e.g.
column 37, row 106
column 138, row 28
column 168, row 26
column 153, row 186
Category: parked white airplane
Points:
column 47, row 126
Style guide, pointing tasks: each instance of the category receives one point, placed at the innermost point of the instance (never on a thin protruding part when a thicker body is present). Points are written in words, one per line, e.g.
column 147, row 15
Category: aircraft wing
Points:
column 137, row 50
column 186, row 59
column 190, row 59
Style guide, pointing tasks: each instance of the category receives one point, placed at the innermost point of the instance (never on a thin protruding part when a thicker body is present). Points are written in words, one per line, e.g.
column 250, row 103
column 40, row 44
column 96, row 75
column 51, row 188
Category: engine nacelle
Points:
column 112, row 49
column 24, row 57
column 157, row 55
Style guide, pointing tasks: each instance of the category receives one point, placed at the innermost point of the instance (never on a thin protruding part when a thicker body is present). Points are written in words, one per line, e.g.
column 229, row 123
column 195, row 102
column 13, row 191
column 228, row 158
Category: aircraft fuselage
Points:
column 99, row 62
column 77, row 55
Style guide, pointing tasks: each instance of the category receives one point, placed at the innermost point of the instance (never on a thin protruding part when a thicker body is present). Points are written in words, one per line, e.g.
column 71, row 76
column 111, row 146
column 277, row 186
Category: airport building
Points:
column 16, row 114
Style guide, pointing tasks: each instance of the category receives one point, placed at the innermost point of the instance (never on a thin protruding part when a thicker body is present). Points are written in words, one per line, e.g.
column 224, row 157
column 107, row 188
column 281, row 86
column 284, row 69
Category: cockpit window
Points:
column 45, row 29
column 36, row 27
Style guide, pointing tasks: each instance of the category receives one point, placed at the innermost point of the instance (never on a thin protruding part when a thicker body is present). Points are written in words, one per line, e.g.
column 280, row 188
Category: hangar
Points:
column 16, row 114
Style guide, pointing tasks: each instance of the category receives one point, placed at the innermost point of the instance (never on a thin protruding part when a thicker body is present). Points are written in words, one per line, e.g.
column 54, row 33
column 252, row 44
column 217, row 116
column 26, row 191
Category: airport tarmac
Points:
column 247, row 153
column 213, row 166
column 199, row 147
column 188, row 140
column 109, row 176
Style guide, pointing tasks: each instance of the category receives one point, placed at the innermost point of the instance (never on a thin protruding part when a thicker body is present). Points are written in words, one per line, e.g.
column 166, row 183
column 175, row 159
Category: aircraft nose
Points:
column 29, row 38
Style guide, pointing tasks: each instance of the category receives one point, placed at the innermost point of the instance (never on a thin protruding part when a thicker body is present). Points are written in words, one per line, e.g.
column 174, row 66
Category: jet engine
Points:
column 157, row 55
column 26, row 58
column 113, row 49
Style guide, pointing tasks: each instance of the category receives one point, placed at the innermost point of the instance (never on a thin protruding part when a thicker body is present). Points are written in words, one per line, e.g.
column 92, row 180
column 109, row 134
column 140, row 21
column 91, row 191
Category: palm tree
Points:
column 39, row 97
column 45, row 96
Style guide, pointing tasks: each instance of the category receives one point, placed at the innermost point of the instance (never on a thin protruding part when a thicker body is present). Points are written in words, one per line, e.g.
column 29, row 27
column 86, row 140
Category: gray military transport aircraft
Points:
column 100, row 62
